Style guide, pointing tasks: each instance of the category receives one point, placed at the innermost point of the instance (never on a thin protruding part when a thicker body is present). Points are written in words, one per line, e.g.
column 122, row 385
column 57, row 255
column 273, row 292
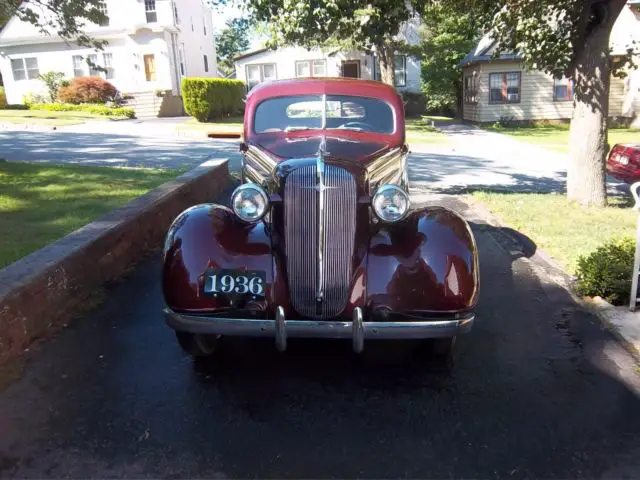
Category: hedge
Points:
column 212, row 98
column 3, row 98
column 84, row 107
column 607, row 271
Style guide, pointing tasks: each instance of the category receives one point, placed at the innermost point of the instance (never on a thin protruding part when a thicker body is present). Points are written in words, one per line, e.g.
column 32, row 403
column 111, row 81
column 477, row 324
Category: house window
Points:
column 150, row 9
column 176, row 17
column 562, row 89
column 470, row 89
column 206, row 63
column 311, row 68
column 504, row 87
column 93, row 63
column 78, row 66
column 260, row 73
column 107, row 58
column 400, row 64
column 102, row 6
column 24, row 68
column 181, row 58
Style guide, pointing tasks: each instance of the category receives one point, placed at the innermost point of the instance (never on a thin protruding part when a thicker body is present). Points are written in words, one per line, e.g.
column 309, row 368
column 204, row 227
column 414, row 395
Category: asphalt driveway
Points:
column 539, row 390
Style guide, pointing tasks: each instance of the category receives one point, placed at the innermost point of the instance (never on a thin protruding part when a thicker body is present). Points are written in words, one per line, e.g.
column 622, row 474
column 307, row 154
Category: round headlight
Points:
column 390, row 203
column 250, row 202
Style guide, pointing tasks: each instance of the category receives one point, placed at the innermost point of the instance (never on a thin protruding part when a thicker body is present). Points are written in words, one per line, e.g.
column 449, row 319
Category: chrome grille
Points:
column 302, row 220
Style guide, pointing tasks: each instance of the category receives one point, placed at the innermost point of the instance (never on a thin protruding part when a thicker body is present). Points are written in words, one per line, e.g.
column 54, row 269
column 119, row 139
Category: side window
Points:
column 24, row 68
column 562, row 89
column 400, row 64
column 470, row 89
column 258, row 73
column 504, row 87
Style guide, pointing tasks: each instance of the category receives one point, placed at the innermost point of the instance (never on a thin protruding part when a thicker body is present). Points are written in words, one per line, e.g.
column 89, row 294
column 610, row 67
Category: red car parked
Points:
column 321, row 240
column 624, row 162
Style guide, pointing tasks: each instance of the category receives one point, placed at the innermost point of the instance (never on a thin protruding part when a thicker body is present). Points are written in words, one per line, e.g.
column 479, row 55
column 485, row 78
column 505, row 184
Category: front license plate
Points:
column 234, row 283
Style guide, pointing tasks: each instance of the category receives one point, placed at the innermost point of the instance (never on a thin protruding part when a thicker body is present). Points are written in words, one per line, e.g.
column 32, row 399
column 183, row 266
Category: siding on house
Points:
column 536, row 96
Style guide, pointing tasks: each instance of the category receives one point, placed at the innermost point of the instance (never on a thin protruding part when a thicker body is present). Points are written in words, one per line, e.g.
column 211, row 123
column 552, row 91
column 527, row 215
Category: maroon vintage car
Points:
column 320, row 239
column 624, row 162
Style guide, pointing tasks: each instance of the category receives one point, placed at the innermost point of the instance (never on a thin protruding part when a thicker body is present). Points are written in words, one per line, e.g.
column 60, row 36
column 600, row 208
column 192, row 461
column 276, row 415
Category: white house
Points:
column 152, row 44
column 290, row 62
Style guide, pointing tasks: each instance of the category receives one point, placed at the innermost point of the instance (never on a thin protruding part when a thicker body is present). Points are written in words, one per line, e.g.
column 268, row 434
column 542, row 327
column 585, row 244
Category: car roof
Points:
column 325, row 85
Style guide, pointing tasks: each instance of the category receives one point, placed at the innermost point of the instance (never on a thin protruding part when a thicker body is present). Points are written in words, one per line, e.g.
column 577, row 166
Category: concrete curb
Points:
column 40, row 293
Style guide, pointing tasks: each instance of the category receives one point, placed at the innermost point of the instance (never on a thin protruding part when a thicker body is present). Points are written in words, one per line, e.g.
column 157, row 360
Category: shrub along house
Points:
column 152, row 45
column 500, row 88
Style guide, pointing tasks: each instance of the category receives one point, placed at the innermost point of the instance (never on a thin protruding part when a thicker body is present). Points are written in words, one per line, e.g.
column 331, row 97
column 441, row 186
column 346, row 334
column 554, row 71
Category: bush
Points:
column 211, row 98
column 87, row 90
column 89, row 108
column 53, row 81
column 3, row 98
column 607, row 271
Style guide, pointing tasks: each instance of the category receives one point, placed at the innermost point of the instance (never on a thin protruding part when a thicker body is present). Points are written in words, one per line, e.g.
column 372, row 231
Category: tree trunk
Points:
column 386, row 62
column 588, row 146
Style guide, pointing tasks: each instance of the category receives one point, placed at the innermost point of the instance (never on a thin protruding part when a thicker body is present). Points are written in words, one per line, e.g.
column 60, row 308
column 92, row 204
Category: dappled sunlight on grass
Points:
column 44, row 117
column 556, row 137
column 564, row 229
column 40, row 203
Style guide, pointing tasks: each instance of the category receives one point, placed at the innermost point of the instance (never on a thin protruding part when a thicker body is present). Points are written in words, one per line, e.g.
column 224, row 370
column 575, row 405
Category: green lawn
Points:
column 563, row 229
column 43, row 117
column 556, row 137
column 41, row 203
column 420, row 130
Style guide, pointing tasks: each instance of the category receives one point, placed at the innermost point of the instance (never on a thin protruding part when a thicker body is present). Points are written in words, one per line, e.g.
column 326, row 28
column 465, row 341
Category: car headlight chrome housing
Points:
column 390, row 203
column 250, row 202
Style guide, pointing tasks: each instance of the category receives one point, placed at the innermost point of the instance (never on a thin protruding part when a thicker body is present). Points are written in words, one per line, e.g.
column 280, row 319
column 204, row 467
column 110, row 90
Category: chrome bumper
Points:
column 356, row 330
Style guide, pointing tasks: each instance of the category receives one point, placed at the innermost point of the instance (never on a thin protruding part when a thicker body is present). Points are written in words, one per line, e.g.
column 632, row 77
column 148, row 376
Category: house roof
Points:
column 484, row 51
column 250, row 53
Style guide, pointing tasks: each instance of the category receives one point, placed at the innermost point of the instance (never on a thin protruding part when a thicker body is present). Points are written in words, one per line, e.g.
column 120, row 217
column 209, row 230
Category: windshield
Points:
column 307, row 112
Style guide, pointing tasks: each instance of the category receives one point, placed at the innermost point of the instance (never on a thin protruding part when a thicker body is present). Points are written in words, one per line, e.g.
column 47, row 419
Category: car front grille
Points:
column 302, row 226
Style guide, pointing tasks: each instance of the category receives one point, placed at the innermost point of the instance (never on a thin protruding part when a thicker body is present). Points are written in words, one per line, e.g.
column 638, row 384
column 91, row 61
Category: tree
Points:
column 447, row 35
column 53, row 81
column 568, row 38
column 232, row 40
column 367, row 25
column 65, row 18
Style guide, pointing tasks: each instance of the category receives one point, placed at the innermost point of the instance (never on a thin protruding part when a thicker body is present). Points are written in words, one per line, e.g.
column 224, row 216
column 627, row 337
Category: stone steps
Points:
column 146, row 104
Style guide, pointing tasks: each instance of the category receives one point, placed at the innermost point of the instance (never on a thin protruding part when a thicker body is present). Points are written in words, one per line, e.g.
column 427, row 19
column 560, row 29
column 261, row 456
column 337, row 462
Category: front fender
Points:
column 211, row 236
column 428, row 262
